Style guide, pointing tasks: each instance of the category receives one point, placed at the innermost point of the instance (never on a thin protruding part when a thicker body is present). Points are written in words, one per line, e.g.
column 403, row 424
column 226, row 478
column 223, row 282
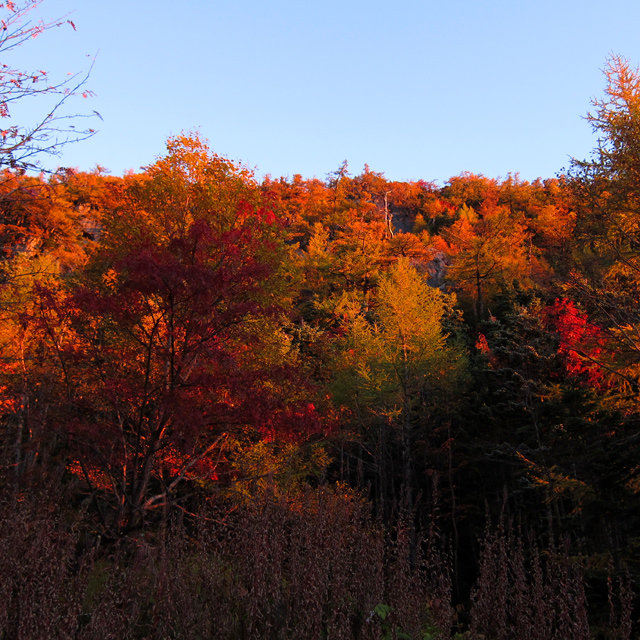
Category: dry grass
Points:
column 307, row 566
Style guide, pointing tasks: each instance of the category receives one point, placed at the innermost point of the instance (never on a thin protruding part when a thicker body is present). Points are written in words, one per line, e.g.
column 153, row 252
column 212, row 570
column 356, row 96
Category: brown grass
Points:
column 313, row 565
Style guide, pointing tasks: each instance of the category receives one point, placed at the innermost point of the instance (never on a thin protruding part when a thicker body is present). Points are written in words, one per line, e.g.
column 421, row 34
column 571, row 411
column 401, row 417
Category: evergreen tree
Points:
column 606, row 188
column 395, row 369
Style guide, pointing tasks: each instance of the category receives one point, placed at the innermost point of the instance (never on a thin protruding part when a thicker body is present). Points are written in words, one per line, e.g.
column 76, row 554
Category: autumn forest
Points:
column 306, row 408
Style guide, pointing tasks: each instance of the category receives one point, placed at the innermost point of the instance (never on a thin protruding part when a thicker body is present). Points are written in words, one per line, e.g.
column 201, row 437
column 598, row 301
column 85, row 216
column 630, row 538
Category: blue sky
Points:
column 416, row 89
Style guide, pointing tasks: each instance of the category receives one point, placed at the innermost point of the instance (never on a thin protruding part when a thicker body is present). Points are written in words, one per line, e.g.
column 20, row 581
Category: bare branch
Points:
column 21, row 146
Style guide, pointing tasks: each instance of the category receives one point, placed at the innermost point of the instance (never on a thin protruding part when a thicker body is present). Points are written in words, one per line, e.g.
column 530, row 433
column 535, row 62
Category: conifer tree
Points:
column 607, row 192
column 395, row 366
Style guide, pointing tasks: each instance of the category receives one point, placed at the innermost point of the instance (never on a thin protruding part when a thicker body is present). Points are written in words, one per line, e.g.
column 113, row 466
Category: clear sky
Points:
column 418, row 89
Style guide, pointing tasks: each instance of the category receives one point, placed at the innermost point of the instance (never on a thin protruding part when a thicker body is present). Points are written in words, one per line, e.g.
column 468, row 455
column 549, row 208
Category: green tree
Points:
column 540, row 427
column 395, row 365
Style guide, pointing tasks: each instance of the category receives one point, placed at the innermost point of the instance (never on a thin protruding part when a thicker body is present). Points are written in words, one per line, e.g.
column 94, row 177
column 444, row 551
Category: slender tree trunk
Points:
column 406, row 425
column 479, row 298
